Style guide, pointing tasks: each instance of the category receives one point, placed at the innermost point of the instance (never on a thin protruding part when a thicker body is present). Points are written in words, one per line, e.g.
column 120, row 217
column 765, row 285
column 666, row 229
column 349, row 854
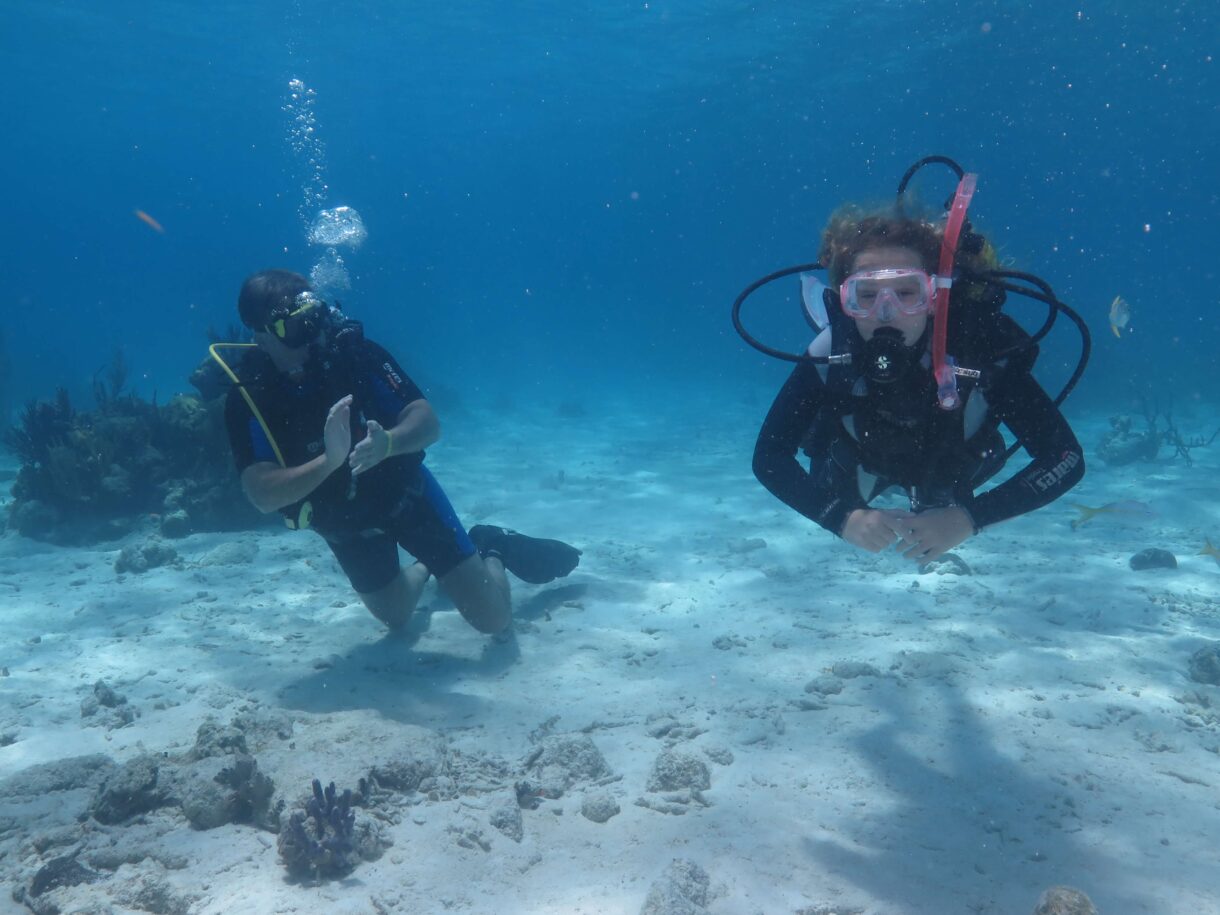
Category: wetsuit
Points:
column 862, row 438
column 363, row 518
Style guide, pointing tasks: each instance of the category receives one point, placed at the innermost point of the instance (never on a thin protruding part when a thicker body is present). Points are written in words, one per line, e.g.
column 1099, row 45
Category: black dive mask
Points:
column 298, row 325
column 885, row 357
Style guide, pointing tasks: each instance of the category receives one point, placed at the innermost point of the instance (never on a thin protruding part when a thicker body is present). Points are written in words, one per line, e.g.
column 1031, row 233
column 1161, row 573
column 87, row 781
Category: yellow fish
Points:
column 1209, row 550
column 1120, row 315
column 1127, row 507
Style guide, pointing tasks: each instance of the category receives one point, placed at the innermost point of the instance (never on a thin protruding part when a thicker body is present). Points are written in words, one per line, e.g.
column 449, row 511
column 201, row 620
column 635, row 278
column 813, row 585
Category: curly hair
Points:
column 852, row 230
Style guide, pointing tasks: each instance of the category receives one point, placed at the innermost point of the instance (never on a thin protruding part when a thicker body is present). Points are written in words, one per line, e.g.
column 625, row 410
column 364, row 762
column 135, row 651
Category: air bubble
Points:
column 339, row 227
column 304, row 141
column 329, row 275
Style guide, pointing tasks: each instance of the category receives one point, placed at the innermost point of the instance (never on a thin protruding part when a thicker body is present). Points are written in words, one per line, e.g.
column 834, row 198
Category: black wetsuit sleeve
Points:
column 1058, row 461
column 387, row 387
column 825, row 495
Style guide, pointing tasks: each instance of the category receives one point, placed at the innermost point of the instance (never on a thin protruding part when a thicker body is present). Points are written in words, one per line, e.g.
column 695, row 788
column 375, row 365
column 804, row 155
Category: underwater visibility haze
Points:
column 584, row 190
column 544, row 212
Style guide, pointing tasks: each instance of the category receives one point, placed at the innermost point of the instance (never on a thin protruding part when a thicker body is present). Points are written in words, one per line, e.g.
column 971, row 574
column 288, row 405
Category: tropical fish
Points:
column 1127, row 508
column 1120, row 315
column 1209, row 550
column 157, row 227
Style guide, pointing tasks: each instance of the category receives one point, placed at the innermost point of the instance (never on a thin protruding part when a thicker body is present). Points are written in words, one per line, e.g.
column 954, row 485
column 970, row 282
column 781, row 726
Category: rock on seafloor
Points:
column 1065, row 900
column 1152, row 558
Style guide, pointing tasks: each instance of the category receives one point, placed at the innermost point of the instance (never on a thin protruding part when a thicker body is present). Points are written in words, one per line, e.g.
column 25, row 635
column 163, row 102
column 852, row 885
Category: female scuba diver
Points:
column 913, row 370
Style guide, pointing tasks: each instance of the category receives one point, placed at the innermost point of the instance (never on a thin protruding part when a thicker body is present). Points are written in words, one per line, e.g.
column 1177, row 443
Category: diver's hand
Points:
column 869, row 529
column 372, row 449
column 932, row 533
column 337, row 435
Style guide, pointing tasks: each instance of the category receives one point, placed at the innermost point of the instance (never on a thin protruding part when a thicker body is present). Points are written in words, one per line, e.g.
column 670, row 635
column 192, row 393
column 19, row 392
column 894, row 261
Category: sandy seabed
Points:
column 809, row 728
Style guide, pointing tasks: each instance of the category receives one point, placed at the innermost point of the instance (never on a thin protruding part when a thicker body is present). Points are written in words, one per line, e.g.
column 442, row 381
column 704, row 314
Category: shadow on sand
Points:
column 391, row 677
column 972, row 830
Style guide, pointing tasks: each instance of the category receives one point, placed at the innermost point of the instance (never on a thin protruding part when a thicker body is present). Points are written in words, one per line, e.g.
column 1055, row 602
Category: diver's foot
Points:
column 531, row 559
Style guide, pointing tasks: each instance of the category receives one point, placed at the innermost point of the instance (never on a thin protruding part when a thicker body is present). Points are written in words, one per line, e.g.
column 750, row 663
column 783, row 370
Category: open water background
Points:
column 563, row 199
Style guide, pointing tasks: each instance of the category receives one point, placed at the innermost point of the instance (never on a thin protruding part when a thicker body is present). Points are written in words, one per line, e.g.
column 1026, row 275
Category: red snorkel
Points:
column 942, row 365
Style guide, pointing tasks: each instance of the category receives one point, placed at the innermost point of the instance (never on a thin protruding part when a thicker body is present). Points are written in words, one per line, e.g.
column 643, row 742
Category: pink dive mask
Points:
column 883, row 294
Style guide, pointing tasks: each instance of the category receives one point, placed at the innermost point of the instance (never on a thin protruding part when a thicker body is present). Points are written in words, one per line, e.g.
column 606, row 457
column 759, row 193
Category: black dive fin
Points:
column 531, row 559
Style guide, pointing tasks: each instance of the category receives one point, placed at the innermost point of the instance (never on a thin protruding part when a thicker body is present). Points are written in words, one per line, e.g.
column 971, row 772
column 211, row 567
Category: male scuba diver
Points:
column 913, row 371
column 327, row 429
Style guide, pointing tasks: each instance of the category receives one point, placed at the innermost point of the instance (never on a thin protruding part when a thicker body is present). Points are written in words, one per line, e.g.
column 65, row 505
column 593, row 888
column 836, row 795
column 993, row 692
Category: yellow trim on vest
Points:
column 305, row 515
column 246, row 394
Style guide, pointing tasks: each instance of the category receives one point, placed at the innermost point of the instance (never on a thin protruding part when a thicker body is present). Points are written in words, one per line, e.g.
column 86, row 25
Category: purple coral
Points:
column 319, row 841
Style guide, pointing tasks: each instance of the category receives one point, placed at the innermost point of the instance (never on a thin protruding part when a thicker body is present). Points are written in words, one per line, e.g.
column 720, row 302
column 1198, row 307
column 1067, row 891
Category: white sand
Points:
column 1024, row 728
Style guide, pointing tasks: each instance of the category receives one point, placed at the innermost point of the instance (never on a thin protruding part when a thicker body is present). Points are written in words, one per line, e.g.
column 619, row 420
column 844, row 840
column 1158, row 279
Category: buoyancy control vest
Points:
column 894, row 433
column 333, row 354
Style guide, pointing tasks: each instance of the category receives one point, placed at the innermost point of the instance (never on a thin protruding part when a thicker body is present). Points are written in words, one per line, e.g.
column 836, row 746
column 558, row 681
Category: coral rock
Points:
column 681, row 890
column 1205, row 664
column 1153, row 559
column 1064, row 900
column 675, row 770
column 133, row 788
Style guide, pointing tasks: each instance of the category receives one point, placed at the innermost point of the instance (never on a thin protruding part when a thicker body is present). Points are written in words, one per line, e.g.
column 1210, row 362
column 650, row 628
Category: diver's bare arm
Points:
column 270, row 487
column 417, row 428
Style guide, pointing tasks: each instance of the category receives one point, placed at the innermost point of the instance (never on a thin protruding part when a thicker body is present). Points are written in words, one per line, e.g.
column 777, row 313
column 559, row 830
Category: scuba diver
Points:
column 327, row 429
column 913, row 370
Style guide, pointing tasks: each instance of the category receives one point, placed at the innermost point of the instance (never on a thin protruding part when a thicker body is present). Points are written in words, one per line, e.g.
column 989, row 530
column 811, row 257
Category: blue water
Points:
column 563, row 199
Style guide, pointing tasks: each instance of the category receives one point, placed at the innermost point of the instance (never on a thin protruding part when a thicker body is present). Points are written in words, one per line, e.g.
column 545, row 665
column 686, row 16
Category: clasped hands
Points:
column 921, row 537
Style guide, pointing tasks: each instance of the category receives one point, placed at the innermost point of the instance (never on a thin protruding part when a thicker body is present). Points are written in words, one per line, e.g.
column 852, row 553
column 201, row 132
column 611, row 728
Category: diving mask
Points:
column 883, row 294
column 299, row 325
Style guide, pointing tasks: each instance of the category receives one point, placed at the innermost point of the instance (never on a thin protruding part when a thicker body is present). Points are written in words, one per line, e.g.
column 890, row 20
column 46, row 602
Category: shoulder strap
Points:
column 258, row 415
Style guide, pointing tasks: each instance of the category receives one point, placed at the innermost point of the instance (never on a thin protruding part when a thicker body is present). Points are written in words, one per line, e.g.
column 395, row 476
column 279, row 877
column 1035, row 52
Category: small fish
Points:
column 1209, row 550
column 1127, row 508
column 1120, row 315
column 160, row 229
